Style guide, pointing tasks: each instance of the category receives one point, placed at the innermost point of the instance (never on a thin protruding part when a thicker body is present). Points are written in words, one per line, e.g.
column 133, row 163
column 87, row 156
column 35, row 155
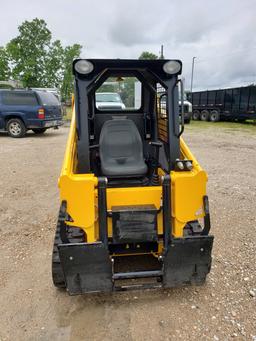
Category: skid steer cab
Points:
column 134, row 211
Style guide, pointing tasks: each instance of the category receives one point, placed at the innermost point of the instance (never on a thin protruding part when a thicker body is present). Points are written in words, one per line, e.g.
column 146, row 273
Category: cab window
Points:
column 119, row 93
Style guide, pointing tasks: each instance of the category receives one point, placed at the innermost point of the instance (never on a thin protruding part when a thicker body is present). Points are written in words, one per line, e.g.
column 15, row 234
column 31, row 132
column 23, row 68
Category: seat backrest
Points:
column 121, row 149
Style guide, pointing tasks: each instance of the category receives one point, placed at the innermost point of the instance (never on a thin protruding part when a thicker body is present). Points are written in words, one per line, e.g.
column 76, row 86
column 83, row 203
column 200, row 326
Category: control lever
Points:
column 157, row 145
column 155, row 177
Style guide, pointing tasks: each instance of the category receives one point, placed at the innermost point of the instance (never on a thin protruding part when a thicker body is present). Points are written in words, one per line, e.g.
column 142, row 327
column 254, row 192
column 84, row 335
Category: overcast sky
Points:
column 220, row 33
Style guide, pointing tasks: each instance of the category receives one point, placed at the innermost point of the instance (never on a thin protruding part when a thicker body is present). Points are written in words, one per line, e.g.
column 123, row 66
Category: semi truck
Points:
column 237, row 104
column 187, row 106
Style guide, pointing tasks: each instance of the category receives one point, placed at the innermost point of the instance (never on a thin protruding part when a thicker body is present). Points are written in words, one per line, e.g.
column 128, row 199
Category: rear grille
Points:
column 133, row 224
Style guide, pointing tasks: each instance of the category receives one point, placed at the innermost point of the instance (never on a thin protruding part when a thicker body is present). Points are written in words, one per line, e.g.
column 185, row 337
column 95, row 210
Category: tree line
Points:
column 36, row 60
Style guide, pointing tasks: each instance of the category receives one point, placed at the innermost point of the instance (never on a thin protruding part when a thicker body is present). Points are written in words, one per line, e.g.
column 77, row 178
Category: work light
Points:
column 189, row 165
column 185, row 165
column 83, row 66
column 180, row 165
column 172, row 67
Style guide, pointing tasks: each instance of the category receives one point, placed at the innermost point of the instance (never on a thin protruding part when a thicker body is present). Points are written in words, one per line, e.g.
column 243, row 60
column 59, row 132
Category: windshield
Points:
column 184, row 97
column 47, row 98
column 105, row 97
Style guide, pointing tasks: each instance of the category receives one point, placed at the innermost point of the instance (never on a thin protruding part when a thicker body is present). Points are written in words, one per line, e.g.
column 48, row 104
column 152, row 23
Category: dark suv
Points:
column 22, row 110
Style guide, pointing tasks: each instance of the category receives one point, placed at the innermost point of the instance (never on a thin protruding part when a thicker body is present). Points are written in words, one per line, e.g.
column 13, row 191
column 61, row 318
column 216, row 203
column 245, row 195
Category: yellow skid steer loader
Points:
column 134, row 211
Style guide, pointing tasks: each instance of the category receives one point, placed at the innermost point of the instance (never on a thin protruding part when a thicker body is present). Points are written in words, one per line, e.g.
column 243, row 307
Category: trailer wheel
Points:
column 214, row 116
column 196, row 115
column 204, row 116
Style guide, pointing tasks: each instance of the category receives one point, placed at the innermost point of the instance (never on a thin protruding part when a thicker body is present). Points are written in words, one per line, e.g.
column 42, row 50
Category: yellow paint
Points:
column 80, row 192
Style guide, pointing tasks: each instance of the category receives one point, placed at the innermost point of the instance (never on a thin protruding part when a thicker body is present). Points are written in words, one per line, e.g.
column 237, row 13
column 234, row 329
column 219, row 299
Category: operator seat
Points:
column 121, row 149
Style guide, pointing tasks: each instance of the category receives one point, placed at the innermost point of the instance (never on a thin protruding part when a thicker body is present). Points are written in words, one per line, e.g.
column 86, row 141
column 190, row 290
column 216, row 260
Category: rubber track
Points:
column 75, row 235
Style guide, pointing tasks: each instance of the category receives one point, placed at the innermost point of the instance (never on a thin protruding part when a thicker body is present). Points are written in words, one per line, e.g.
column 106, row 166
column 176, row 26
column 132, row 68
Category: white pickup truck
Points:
column 109, row 101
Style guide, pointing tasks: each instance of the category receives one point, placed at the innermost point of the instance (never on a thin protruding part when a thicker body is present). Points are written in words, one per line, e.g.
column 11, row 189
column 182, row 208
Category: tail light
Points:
column 41, row 114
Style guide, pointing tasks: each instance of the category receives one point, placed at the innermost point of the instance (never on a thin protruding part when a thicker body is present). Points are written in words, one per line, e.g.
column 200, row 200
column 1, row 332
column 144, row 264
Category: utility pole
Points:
column 162, row 52
column 192, row 73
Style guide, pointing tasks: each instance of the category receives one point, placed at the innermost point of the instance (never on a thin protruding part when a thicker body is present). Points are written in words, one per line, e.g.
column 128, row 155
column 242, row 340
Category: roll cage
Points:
column 150, row 73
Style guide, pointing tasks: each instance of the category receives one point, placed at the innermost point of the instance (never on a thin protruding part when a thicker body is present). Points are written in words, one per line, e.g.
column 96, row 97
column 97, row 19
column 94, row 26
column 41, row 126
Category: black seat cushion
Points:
column 121, row 150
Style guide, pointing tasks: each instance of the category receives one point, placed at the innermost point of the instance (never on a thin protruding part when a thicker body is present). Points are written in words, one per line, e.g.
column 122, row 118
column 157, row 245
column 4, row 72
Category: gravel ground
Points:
column 32, row 309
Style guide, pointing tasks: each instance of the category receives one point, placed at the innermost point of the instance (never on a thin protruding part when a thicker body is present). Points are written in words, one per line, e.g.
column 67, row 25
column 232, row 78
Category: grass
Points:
column 68, row 114
column 248, row 125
